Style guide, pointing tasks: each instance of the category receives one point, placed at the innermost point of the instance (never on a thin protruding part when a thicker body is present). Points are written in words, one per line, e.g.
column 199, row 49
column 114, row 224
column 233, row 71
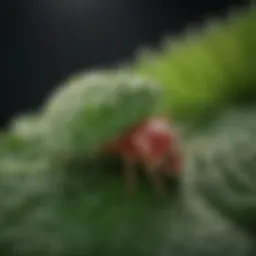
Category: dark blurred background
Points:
column 43, row 41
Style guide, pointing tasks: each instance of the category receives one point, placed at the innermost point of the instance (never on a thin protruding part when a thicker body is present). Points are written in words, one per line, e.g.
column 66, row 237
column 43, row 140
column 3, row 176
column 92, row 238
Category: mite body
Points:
column 152, row 143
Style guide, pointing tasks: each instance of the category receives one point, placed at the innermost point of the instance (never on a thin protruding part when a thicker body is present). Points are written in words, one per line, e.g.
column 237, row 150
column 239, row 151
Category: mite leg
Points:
column 157, row 180
column 130, row 175
column 174, row 159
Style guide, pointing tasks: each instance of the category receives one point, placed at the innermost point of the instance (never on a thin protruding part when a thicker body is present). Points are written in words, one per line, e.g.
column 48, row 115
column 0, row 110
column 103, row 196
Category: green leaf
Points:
column 92, row 108
column 48, row 209
column 224, row 167
column 52, row 213
column 27, row 126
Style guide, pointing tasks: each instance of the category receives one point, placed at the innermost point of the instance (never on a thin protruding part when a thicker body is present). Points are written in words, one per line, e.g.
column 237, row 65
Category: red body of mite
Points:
column 151, row 142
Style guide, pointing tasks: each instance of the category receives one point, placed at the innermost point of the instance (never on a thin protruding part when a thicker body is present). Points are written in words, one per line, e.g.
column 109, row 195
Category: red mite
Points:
column 152, row 143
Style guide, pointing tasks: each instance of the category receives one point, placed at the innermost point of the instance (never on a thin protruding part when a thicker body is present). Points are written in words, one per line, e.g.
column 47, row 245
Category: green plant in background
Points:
column 204, row 72
column 79, row 208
